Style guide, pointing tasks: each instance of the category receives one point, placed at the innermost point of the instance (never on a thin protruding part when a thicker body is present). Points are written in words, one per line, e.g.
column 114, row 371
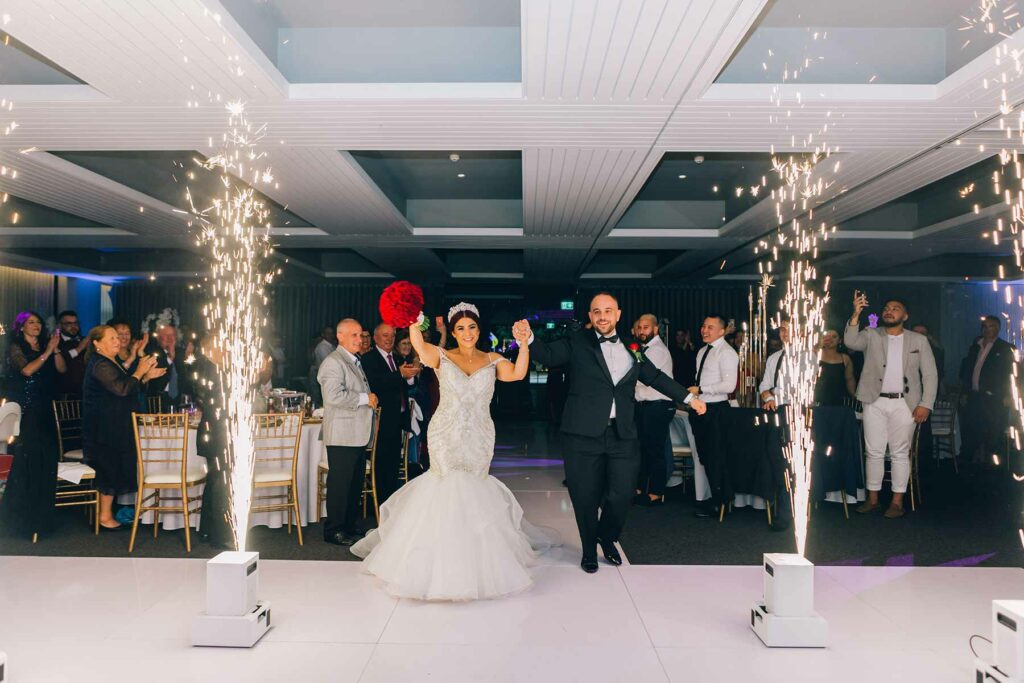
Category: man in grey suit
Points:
column 348, row 418
column 897, row 389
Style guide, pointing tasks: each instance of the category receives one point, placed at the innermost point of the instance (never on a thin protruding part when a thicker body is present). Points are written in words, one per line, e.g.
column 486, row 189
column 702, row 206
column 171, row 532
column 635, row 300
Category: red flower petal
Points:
column 401, row 303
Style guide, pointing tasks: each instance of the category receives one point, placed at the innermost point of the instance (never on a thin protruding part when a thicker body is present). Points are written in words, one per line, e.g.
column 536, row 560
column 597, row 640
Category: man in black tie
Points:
column 602, row 459
column 390, row 379
column 717, row 372
column 775, row 398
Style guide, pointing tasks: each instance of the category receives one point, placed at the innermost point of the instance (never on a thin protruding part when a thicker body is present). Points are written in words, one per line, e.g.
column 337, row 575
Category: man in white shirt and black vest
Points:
column 654, row 413
column 717, row 372
column 775, row 398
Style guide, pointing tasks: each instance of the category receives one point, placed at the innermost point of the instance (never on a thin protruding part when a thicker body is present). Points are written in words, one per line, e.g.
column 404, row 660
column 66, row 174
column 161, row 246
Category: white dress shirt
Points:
column 658, row 354
column 718, row 377
column 618, row 360
column 364, row 399
column 892, row 381
column 983, row 349
column 772, row 371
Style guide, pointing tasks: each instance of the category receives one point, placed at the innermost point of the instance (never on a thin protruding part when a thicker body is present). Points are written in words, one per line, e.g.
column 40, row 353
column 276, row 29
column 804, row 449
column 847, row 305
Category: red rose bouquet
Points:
column 401, row 303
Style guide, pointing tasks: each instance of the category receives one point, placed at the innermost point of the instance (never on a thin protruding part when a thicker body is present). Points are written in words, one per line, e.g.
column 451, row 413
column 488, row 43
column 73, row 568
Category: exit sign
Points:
column 550, row 326
column 568, row 306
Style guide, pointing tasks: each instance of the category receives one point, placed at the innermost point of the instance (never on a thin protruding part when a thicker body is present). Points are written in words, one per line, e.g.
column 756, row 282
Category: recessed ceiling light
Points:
column 714, row 188
column 682, row 177
column 461, row 175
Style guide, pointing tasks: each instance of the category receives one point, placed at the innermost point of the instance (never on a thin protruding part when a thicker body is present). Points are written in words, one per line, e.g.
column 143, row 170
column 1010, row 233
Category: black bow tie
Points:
column 614, row 338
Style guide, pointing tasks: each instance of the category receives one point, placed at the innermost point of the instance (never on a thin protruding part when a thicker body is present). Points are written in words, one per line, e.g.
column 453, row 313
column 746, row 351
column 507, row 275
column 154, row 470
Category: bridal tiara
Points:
column 462, row 306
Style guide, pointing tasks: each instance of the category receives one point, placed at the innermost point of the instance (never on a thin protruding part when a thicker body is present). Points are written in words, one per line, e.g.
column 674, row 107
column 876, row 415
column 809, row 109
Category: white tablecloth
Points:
column 311, row 450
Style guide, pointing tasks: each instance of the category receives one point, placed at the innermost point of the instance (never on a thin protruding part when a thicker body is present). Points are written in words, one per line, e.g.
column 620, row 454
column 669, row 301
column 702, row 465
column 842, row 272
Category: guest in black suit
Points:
column 602, row 459
column 684, row 358
column 177, row 381
column 985, row 378
column 390, row 378
column 211, row 442
column 72, row 347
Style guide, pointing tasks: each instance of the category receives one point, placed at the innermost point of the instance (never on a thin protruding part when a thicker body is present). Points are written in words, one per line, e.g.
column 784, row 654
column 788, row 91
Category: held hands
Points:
column 372, row 400
column 698, row 406
column 770, row 405
column 694, row 390
column 921, row 414
column 521, row 333
column 51, row 344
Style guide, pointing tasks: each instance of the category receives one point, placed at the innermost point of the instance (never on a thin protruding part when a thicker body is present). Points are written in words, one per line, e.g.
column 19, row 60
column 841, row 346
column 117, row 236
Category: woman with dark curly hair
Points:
column 34, row 363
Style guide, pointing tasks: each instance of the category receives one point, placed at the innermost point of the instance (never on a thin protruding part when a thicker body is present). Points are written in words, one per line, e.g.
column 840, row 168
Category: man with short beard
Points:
column 897, row 388
column 654, row 413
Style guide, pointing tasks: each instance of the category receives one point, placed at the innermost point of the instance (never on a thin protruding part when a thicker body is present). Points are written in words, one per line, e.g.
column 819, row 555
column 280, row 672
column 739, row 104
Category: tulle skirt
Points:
column 457, row 537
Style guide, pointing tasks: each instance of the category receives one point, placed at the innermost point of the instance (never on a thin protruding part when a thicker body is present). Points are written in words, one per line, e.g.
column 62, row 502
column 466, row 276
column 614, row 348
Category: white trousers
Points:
column 888, row 422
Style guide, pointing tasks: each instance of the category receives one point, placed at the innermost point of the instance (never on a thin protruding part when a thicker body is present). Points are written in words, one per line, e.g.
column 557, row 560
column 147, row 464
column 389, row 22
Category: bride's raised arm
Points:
column 429, row 354
column 509, row 373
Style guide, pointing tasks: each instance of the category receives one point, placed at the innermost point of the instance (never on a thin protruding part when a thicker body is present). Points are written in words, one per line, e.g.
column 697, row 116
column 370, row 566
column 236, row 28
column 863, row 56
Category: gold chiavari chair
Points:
column 161, row 447
column 275, row 465
column 154, row 404
column 369, row 486
column 68, row 415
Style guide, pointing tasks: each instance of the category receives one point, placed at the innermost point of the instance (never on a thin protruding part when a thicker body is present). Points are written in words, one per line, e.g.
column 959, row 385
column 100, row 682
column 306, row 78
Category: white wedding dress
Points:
column 455, row 532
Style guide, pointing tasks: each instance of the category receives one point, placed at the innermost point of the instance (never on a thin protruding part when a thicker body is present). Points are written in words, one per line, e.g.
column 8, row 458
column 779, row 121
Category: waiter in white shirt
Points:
column 654, row 413
column 775, row 398
column 717, row 371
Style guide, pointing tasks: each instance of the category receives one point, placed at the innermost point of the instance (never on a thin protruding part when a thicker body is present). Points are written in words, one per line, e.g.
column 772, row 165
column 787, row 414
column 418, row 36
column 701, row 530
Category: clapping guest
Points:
column 131, row 349
column 109, row 397
column 175, row 382
column 72, row 347
column 33, row 357
column 684, row 358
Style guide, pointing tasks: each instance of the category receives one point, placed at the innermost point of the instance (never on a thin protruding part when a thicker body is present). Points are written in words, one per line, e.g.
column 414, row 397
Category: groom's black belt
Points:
column 891, row 395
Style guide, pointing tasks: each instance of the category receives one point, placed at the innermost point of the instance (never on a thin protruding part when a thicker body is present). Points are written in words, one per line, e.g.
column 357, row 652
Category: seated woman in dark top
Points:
column 836, row 385
column 109, row 396
column 35, row 363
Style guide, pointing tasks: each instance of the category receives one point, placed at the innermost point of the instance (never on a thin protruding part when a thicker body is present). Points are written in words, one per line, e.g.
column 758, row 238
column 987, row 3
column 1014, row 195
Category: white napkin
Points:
column 417, row 417
column 72, row 471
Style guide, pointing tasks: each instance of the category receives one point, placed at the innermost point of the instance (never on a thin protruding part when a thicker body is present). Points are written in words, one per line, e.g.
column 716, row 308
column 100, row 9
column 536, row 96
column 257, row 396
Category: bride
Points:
column 455, row 532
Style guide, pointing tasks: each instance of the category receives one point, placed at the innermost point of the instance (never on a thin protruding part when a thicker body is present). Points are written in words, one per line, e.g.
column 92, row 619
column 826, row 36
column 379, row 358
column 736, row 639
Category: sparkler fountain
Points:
column 234, row 228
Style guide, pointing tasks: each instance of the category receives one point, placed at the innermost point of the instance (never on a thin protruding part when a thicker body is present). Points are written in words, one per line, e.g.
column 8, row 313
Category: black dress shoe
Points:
column 705, row 511
column 589, row 564
column 611, row 553
column 337, row 538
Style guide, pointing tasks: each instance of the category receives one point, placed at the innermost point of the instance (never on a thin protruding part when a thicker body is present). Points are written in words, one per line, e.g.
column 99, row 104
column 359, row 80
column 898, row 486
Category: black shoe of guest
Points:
column 589, row 564
column 611, row 553
column 705, row 511
column 337, row 538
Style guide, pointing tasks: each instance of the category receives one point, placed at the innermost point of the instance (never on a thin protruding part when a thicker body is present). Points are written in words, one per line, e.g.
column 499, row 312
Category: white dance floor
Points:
column 111, row 619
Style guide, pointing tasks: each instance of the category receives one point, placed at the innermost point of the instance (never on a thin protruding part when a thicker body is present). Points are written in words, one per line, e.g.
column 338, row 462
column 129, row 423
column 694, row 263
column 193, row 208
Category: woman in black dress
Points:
column 109, row 396
column 214, row 521
column 34, row 362
column 836, row 385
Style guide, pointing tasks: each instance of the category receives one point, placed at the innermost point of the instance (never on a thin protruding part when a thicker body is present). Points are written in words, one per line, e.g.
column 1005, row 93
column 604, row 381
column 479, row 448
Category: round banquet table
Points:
column 311, row 451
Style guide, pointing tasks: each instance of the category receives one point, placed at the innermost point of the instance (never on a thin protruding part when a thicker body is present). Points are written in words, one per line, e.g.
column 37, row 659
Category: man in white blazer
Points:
column 897, row 389
column 348, row 420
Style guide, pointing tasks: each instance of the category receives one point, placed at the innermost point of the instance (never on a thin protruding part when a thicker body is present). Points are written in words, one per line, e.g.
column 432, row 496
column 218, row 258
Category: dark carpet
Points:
column 72, row 537
column 970, row 519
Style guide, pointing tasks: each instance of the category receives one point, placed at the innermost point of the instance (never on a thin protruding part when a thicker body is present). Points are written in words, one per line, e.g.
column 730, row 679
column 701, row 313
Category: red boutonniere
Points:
column 637, row 352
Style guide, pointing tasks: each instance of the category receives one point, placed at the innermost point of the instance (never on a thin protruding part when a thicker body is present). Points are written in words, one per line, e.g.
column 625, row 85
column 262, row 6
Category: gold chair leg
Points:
column 721, row 513
column 846, row 508
column 35, row 538
column 184, row 508
column 96, row 512
column 298, row 518
column 156, row 512
column 135, row 518
column 768, row 509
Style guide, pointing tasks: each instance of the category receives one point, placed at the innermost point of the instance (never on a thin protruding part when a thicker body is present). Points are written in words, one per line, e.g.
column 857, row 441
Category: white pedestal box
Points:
column 984, row 672
column 232, row 582
column 786, row 616
column 234, row 617
column 788, row 585
column 1008, row 637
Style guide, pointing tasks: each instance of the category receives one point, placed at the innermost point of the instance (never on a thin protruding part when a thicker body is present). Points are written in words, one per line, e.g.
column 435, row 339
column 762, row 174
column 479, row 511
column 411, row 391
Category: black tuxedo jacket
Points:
column 391, row 388
column 591, row 391
column 158, row 386
column 994, row 378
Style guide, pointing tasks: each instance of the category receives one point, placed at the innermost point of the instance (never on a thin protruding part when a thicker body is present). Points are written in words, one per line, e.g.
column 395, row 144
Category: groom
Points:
column 602, row 459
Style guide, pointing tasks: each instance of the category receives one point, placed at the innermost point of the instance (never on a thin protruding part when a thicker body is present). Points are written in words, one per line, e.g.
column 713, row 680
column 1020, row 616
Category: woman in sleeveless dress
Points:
column 457, row 533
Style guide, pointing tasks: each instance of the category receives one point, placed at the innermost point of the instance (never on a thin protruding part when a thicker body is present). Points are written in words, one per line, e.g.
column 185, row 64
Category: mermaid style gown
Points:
column 455, row 532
